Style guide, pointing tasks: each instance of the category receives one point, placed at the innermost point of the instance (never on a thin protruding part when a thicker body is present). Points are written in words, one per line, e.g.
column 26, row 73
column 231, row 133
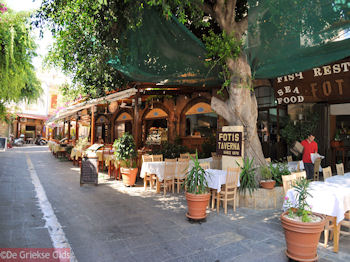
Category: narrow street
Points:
column 110, row 222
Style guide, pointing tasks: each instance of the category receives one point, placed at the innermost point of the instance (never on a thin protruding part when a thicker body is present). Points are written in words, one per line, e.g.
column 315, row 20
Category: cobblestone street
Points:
column 110, row 222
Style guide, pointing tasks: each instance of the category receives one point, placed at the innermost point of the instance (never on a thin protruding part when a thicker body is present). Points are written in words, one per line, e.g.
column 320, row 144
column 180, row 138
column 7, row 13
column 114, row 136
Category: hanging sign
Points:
column 323, row 83
column 229, row 143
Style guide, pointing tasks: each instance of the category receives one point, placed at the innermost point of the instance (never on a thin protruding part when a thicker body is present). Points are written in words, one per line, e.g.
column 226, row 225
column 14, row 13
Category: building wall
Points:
column 4, row 129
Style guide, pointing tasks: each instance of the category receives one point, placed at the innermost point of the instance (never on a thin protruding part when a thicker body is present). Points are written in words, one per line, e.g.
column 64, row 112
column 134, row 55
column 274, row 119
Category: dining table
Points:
column 158, row 168
column 330, row 198
column 216, row 178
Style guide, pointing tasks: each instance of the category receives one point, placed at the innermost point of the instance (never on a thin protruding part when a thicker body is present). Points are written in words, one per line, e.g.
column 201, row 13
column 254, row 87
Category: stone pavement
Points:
column 110, row 222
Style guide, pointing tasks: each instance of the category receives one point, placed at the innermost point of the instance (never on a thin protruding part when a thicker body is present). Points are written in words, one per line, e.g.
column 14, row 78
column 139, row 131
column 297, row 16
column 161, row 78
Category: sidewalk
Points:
column 110, row 222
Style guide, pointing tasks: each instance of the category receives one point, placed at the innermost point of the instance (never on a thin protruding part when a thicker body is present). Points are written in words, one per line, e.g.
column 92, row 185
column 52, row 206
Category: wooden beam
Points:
column 92, row 139
column 76, row 129
column 68, row 129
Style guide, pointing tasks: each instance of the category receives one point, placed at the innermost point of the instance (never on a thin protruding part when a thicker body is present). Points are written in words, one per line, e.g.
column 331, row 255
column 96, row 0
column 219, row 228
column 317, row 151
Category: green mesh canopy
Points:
column 288, row 36
column 165, row 52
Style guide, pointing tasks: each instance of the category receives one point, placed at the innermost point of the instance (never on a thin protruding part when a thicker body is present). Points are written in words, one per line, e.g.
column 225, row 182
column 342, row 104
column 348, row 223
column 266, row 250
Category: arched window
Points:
column 123, row 123
column 155, row 126
column 201, row 120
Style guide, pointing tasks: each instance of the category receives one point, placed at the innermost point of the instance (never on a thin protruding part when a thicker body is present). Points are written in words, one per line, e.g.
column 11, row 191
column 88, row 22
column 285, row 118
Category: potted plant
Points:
column 197, row 191
column 278, row 170
column 337, row 142
column 302, row 228
column 267, row 182
column 247, row 177
column 125, row 152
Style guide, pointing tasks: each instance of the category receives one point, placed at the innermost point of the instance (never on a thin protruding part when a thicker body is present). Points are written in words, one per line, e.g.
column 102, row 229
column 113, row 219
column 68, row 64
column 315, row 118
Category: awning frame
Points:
column 69, row 111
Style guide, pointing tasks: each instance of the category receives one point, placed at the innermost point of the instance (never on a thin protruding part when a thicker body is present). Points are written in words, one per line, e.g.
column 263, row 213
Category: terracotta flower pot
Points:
column 302, row 238
column 128, row 175
column 336, row 144
column 197, row 205
column 267, row 184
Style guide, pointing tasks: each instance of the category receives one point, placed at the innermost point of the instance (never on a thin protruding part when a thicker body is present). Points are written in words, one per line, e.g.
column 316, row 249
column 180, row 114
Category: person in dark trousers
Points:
column 310, row 146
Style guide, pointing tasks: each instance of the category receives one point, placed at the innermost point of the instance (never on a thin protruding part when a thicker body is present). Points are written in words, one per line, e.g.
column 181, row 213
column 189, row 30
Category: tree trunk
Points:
column 241, row 109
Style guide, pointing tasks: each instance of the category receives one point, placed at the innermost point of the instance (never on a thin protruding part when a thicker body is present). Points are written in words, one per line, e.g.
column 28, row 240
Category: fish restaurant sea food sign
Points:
column 229, row 143
column 323, row 83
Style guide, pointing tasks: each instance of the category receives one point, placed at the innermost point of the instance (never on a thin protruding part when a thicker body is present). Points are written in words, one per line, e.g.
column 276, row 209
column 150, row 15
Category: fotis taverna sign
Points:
column 229, row 143
column 324, row 83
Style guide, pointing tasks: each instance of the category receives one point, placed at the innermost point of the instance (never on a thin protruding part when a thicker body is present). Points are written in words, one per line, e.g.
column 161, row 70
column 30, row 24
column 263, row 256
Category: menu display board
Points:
column 88, row 171
column 3, row 143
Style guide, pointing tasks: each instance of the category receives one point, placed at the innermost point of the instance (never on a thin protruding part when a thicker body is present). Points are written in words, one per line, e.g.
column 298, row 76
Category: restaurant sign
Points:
column 323, row 83
column 229, row 143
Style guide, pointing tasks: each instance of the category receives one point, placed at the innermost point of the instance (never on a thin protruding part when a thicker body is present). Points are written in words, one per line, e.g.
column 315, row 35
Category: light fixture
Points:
column 133, row 102
column 199, row 94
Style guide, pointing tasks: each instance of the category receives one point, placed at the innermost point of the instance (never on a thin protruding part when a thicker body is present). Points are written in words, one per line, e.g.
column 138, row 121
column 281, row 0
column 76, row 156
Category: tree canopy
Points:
column 89, row 33
column 18, row 80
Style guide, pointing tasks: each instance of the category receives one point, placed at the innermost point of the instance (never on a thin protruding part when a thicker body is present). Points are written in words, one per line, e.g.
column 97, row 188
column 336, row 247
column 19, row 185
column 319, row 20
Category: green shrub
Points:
column 265, row 173
column 247, row 177
column 125, row 149
column 278, row 170
column 169, row 150
column 208, row 146
column 195, row 180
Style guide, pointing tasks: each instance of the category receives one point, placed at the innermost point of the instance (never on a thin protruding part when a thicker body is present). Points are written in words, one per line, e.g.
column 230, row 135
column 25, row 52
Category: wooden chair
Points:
column 300, row 175
column 185, row 156
column 169, row 175
column 229, row 190
column 317, row 165
column 181, row 171
column 327, row 172
column 148, row 177
column 157, row 158
column 217, row 162
column 330, row 227
column 214, row 154
column 288, row 182
column 268, row 160
column 289, row 158
column 340, row 169
column 193, row 155
column 205, row 165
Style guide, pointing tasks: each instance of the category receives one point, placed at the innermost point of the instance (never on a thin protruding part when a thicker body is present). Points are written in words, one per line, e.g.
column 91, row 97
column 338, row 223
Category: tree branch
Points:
column 220, row 107
column 230, row 11
column 219, row 10
column 242, row 26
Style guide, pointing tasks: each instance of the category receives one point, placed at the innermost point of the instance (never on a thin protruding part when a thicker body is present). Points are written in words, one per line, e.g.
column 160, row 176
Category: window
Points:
column 265, row 96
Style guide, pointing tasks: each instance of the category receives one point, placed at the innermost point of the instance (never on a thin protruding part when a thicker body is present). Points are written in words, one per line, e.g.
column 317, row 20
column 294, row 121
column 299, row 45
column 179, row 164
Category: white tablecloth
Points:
column 327, row 198
column 339, row 180
column 216, row 178
column 293, row 166
column 158, row 167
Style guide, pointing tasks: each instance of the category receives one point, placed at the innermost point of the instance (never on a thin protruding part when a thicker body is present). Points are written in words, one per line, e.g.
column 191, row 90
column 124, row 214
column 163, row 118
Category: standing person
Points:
column 310, row 146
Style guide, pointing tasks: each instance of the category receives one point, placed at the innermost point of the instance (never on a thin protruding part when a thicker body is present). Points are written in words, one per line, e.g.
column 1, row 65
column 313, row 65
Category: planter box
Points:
column 263, row 198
